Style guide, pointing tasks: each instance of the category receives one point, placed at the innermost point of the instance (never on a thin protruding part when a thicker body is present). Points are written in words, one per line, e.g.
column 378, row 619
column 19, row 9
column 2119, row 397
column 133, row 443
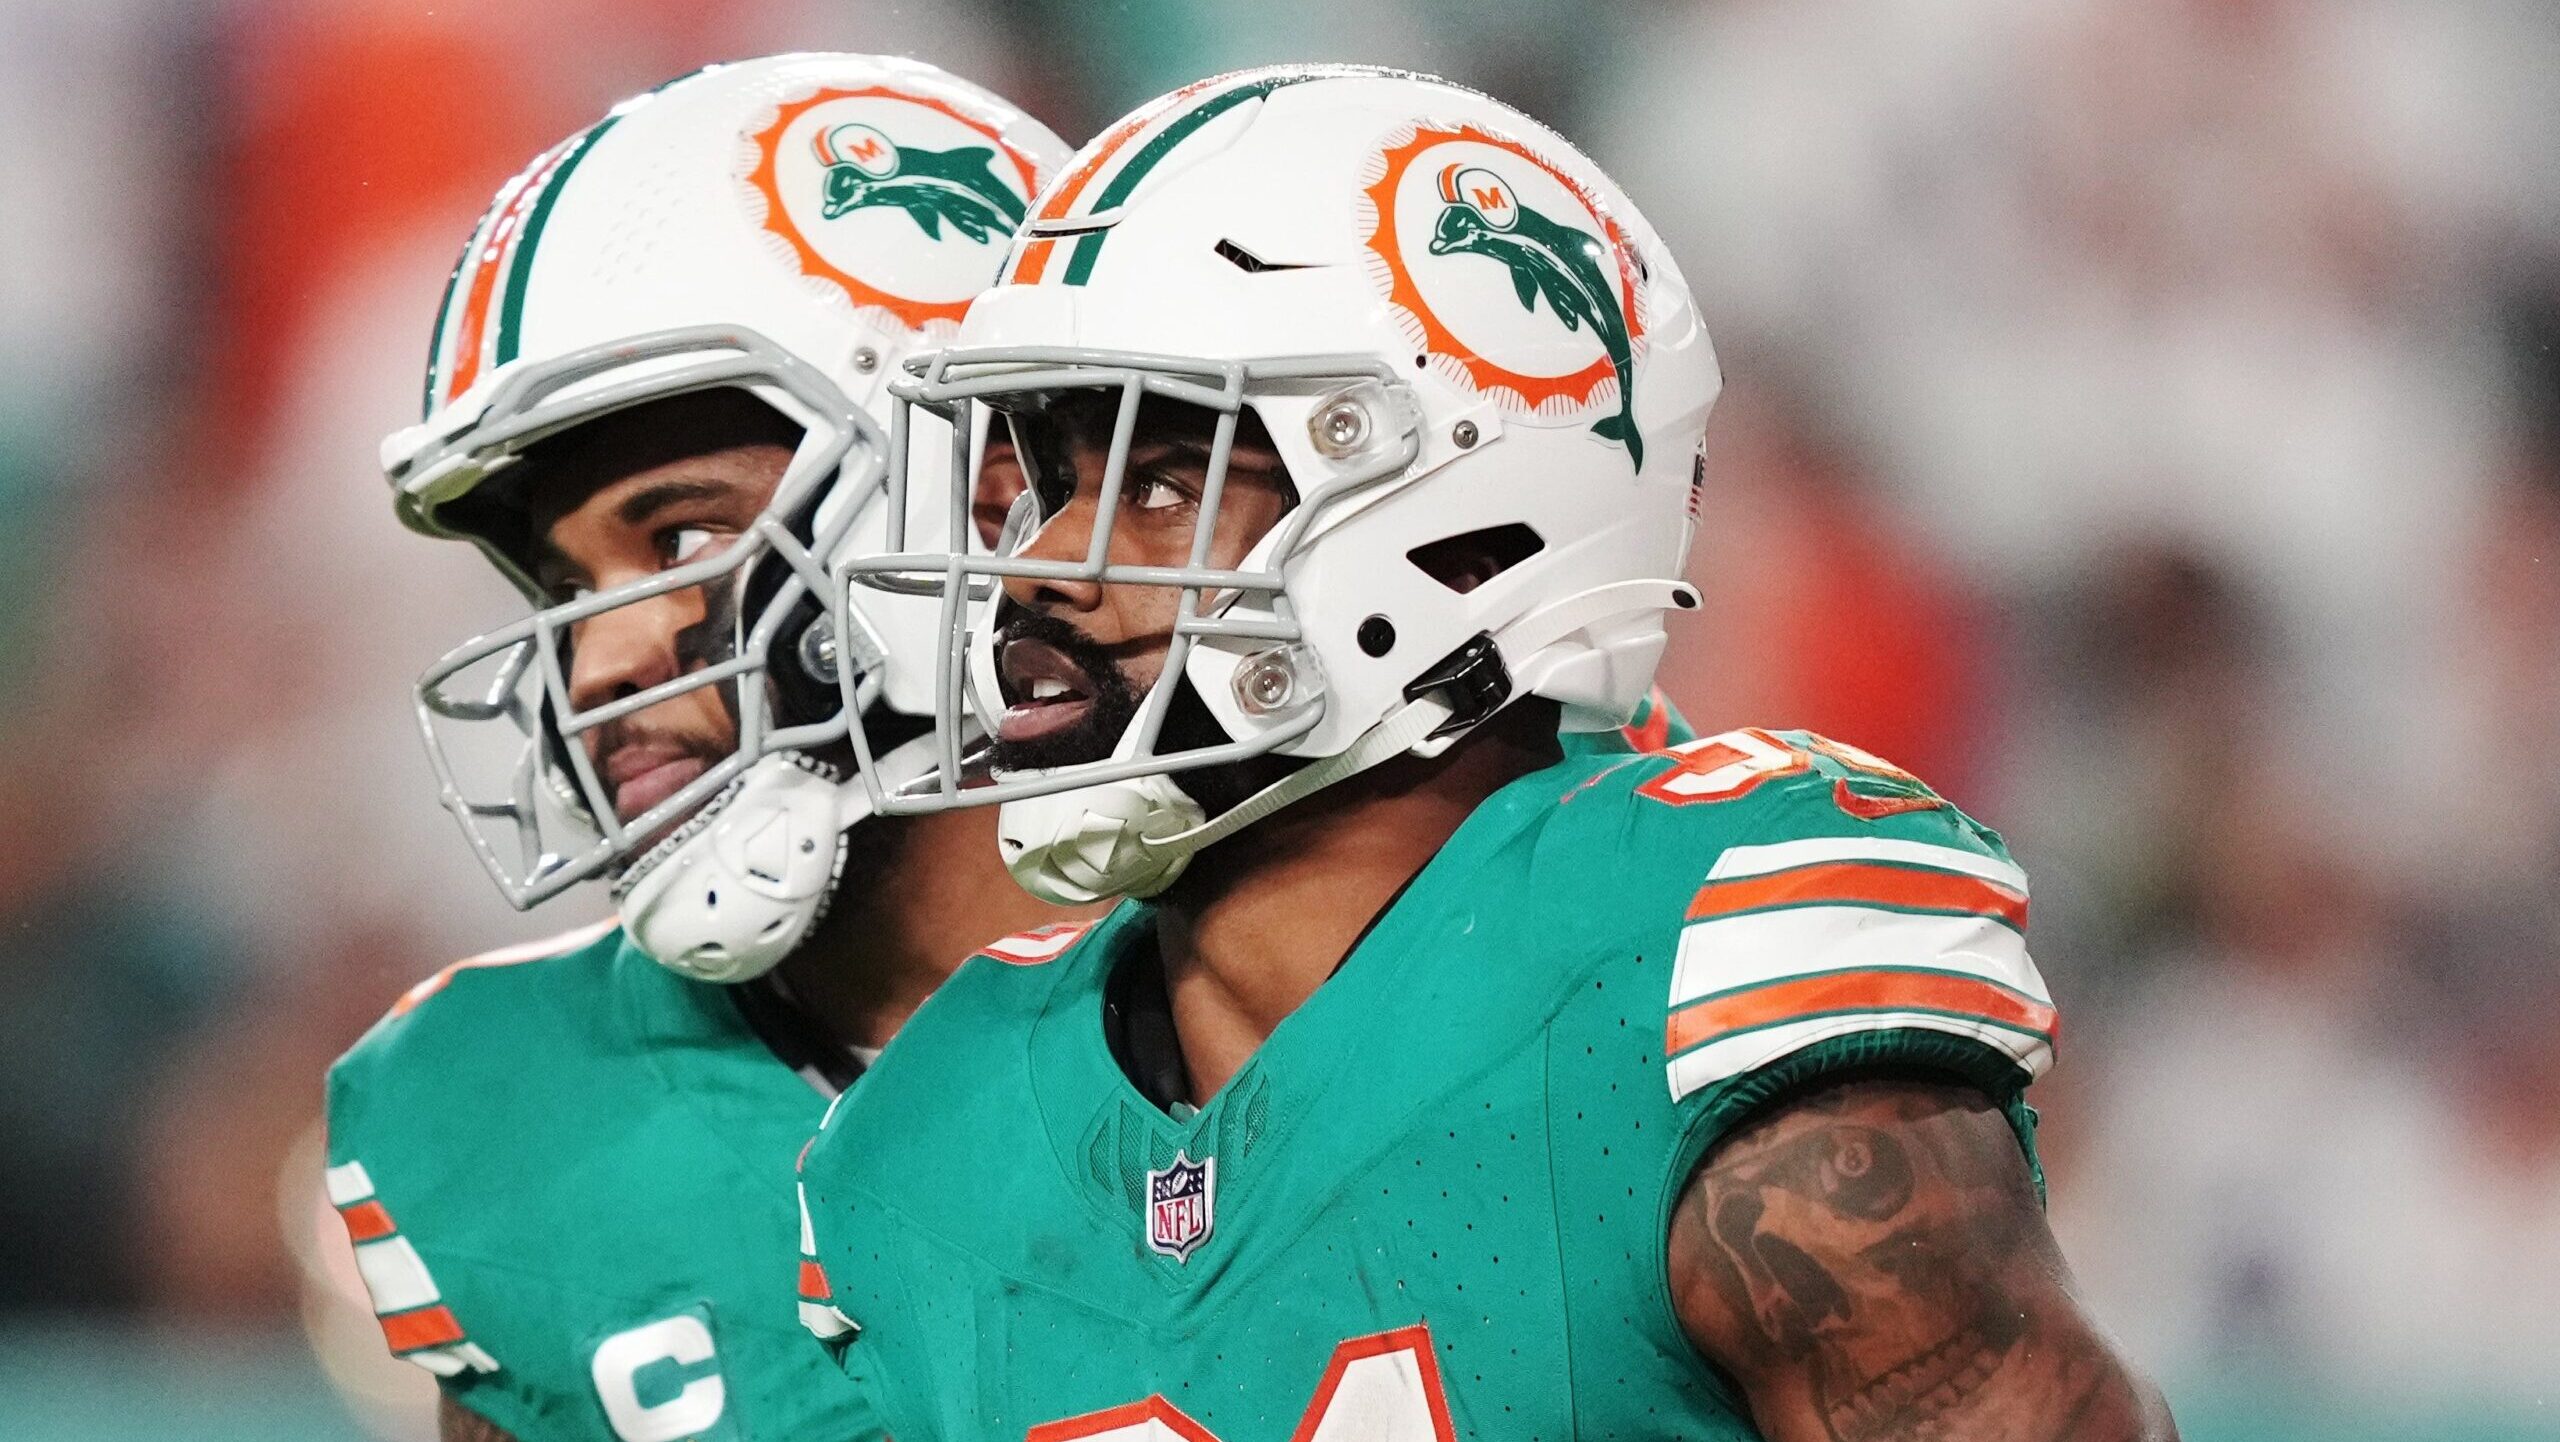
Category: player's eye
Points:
column 1149, row 492
column 1160, row 483
column 560, row 590
column 680, row 544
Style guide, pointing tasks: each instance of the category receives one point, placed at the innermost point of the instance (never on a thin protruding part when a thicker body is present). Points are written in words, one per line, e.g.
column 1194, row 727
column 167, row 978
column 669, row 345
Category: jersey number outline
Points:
column 1381, row 1388
column 1732, row 765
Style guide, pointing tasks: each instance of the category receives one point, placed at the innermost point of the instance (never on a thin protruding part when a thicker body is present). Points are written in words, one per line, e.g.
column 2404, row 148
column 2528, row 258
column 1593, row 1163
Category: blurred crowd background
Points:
column 2143, row 420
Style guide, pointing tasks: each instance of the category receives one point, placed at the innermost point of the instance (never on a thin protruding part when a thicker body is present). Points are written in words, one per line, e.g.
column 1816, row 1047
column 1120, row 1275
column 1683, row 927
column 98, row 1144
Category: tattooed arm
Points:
column 1870, row 1263
column 457, row 1423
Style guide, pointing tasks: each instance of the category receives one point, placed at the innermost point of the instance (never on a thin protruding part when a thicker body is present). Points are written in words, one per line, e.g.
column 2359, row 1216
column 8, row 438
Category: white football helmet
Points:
column 795, row 227
column 1451, row 324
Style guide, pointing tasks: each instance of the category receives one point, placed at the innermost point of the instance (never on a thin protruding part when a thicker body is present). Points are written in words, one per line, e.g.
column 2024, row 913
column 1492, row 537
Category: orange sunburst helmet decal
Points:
column 765, row 180
column 1386, row 244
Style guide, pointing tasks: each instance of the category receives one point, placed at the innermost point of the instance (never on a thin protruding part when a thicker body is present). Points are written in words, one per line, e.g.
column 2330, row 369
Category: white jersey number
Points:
column 1732, row 766
column 1384, row 1388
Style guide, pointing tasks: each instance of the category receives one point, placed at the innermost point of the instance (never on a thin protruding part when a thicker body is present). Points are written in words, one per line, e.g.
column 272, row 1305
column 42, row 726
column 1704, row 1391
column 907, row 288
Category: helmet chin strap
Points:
column 1078, row 847
column 1134, row 838
column 743, row 882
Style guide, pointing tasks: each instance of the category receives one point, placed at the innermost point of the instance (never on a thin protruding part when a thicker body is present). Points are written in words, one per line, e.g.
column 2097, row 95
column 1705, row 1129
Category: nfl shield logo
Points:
column 1178, row 1202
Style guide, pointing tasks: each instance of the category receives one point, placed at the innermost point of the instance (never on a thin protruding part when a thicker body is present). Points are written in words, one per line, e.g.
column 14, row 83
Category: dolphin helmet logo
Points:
column 958, row 187
column 1440, row 199
column 939, row 177
column 1567, row 267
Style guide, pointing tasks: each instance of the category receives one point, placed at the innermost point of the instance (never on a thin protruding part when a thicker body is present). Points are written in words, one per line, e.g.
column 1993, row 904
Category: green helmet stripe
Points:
column 1080, row 265
column 511, row 311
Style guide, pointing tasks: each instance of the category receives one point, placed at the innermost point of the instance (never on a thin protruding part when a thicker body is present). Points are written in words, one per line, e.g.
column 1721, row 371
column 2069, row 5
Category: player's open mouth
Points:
column 1047, row 693
column 646, row 773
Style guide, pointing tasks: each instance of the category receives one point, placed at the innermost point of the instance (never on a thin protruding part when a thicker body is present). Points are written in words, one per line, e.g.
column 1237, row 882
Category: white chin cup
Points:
column 731, row 901
column 1078, row 847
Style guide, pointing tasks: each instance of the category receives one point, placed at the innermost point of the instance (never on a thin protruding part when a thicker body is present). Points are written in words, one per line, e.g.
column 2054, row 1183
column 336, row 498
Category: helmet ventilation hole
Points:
column 1377, row 636
column 1250, row 263
column 1468, row 560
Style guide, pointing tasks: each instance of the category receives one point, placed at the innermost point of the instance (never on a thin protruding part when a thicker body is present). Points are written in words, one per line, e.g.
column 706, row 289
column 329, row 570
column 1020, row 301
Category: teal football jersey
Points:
column 1434, row 1203
column 564, row 1169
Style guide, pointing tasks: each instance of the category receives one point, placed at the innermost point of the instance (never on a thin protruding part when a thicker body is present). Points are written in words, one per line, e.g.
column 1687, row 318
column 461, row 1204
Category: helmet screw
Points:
column 866, row 360
column 1341, row 428
column 1270, row 685
column 1463, row 435
column 818, row 650
column 1377, row 636
column 1267, row 683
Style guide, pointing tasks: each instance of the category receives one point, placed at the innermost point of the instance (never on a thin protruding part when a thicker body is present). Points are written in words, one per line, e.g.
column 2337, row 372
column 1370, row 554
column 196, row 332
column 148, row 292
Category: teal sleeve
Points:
column 1785, row 909
column 441, row 1306
column 1843, row 917
column 840, row 1288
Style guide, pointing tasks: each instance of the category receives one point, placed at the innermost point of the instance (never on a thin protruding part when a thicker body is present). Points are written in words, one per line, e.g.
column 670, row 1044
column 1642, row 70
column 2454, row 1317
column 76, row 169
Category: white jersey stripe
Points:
column 348, row 1184
column 1730, row 953
column 453, row 1361
column 1748, row 1051
column 824, row 1321
column 827, row 1118
column 1779, row 856
column 1030, row 947
column 439, row 1360
column 395, row 1276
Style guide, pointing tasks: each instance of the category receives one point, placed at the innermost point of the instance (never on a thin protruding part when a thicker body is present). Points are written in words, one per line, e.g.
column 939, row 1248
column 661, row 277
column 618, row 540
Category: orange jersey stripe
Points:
column 366, row 1221
column 1654, row 732
column 1854, row 991
column 1860, row 883
column 426, row 1327
column 813, row 1281
column 1876, row 808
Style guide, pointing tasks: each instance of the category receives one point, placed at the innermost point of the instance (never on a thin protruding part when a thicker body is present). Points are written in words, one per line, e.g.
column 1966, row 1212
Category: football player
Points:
column 651, row 401
column 1437, row 1080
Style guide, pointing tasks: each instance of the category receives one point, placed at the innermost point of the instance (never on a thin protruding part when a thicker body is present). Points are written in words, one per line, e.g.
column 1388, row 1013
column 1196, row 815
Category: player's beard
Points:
column 1111, row 706
column 1114, row 703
